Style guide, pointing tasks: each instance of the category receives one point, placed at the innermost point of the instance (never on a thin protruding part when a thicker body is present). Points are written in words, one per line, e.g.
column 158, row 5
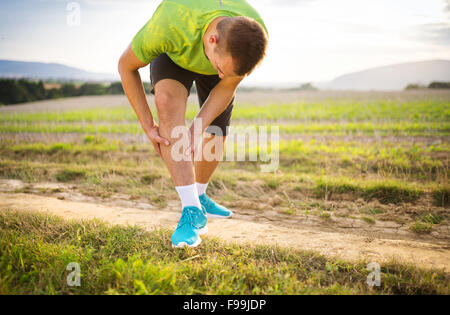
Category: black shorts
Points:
column 163, row 67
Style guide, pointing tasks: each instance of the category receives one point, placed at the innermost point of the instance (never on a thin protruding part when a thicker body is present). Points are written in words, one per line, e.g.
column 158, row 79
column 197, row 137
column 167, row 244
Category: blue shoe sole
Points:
column 202, row 231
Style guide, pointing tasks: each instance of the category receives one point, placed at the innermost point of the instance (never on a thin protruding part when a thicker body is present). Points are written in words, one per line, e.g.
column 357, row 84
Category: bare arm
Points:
column 132, row 85
column 218, row 100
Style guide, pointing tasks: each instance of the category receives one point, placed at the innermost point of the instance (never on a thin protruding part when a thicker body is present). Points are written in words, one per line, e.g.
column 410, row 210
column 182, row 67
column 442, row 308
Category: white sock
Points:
column 201, row 188
column 189, row 196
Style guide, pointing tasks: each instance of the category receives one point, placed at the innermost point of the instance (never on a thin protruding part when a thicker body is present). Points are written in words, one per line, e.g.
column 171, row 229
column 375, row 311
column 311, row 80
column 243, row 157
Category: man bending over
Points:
column 215, row 43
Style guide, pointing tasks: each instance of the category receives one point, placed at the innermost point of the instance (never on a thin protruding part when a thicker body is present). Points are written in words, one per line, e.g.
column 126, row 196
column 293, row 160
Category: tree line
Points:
column 432, row 85
column 14, row 91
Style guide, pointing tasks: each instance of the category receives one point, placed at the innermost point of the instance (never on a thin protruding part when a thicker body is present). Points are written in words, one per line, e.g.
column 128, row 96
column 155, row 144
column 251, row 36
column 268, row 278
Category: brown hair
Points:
column 245, row 40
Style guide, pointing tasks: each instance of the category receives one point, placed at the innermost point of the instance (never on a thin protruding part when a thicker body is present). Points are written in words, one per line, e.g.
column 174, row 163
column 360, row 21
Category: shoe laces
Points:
column 188, row 216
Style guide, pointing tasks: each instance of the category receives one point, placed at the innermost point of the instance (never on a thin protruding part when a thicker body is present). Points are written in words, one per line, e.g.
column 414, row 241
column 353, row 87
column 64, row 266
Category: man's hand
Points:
column 156, row 139
column 218, row 100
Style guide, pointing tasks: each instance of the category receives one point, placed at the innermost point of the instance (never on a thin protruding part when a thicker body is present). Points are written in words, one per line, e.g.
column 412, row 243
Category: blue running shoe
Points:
column 192, row 224
column 201, row 221
column 213, row 209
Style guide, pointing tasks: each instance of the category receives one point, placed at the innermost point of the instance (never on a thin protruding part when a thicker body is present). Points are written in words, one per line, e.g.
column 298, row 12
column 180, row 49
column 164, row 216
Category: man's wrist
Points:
column 147, row 126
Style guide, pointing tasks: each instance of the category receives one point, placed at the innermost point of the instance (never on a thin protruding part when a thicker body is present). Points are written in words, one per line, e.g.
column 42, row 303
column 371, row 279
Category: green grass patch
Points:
column 375, row 211
column 419, row 163
column 35, row 250
column 133, row 174
column 325, row 215
column 441, row 197
column 385, row 191
column 432, row 218
column 368, row 220
column 391, row 192
column 343, row 128
column 150, row 178
column 95, row 139
column 273, row 182
column 421, row 227
column 337, row 110
column 415, row 162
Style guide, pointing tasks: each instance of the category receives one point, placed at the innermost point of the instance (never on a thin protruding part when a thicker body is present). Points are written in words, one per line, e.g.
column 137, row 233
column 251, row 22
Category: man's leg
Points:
column 203, row 172
column 206, row 167
column 170, row 98
column 171, row 86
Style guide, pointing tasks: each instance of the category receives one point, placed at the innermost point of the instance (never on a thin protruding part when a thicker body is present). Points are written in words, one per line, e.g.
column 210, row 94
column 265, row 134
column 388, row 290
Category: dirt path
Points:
column 349, row 246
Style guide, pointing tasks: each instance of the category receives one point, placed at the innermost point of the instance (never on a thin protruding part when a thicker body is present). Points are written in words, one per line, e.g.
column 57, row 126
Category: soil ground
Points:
column 348, row 239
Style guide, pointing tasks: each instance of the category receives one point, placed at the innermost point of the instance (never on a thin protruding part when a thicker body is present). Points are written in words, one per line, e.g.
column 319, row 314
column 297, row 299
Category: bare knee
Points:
column 163, row 102
column 171, row 109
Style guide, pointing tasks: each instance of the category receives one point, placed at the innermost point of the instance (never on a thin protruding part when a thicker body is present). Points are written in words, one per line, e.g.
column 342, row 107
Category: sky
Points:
column 309, row 40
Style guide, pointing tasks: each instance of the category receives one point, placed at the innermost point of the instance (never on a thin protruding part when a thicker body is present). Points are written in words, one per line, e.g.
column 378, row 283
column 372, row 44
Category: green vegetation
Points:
column 134, row 171
column 325, row 215
column 350, row 111
column 19, row 91
column 370, row 160
column 417, row 162
column 14, row 91
column 368, row 220
column 385, row 191
column 391, row 173
column 439, row 85
column 432, row 85
column 69, row 175
column 432, row 218
column 442, row 196
column 35, row 250
column 375, row 211
column 422, row 227
column 401, row 129
column 371, row 112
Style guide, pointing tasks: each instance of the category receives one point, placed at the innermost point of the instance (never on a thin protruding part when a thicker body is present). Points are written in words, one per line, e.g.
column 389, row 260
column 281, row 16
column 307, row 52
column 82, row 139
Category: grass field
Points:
column 130, row 261
column 365, row 156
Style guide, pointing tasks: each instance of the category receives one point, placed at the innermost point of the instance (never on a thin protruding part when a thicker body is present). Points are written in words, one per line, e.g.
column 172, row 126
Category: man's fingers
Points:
column 157, row 149
column 162, row 140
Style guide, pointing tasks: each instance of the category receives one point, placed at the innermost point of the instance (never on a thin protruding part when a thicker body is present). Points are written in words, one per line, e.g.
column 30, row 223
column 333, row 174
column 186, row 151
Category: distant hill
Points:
column 392, row 77
column 45, row 71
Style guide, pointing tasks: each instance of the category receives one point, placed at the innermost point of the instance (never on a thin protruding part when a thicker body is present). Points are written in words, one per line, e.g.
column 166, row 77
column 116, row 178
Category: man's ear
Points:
column 214, row 39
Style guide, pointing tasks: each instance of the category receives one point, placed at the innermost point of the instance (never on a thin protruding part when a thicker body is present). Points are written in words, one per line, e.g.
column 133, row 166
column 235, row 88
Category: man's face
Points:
column 222, row 62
